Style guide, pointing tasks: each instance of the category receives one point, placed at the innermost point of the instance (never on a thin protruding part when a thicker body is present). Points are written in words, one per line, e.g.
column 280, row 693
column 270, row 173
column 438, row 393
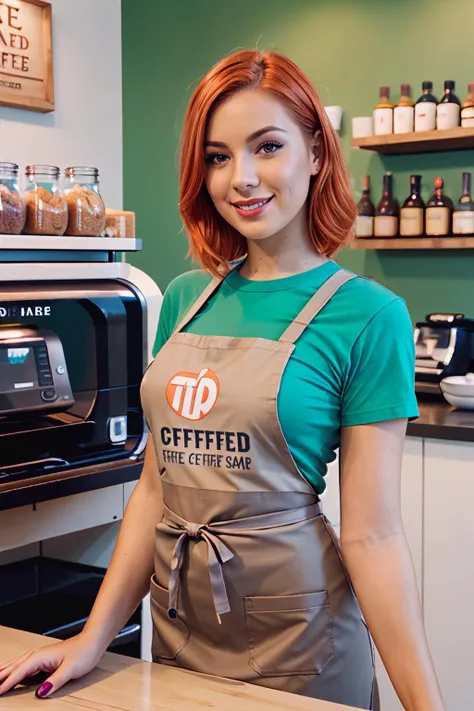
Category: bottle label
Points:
column 385, row 226
column 425, row 116
column 403, row 119
column 463, row 222
column 364, row 226
column 448, row 116
column 437, row 221
column 411, row 222
column 383, row 121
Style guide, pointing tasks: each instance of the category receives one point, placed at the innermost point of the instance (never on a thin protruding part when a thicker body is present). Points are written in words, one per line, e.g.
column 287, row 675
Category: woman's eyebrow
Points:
column 252, row 137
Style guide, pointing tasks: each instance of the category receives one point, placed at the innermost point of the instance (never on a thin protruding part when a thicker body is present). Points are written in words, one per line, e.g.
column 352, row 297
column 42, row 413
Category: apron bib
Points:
column 249, row 580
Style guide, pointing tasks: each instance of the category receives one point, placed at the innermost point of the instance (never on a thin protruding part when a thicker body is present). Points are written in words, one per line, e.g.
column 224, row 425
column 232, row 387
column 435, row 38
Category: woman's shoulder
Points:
column 183, row 291
column 180, row 295
column 367, row 306
column 368, row 296
column 188, row 284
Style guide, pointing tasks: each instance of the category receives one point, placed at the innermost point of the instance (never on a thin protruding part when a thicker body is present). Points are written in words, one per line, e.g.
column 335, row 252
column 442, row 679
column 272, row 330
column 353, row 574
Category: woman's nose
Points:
column 245, row 175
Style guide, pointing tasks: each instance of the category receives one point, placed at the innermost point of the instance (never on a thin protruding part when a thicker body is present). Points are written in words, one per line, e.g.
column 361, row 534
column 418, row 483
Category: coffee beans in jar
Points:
column 46, row 208
column 86, row 209
column 12, row 205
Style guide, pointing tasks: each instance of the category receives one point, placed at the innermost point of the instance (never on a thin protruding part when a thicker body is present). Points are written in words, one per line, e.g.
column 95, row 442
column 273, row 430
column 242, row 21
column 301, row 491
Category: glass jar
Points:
column 86, row 208
column 12, row 205
column 46, row 208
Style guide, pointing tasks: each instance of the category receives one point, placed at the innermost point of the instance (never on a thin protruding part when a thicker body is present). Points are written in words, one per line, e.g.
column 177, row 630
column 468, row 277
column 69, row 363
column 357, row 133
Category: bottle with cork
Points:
column 387, row 211
column 404, row 111
column 467, row 108
column 383, row 113
column 449, row 108
column 438, row 212
column 365, row 211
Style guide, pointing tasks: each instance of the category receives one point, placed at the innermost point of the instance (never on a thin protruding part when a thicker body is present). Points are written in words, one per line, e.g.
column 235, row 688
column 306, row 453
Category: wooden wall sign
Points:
column 26, row 57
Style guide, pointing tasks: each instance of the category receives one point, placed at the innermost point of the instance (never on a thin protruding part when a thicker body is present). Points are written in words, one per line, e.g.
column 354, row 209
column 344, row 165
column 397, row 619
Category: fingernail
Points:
column 44, row 689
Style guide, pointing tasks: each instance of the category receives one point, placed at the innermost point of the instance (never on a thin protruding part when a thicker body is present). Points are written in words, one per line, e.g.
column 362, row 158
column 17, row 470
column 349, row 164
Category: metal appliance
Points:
column 72, row 355
column 444, row 346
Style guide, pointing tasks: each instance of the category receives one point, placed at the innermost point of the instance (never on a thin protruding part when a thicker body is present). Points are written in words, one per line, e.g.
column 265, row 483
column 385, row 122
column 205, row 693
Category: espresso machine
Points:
column 444, row 346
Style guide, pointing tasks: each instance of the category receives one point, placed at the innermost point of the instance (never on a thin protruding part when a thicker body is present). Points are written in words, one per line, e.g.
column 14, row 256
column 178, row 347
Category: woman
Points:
column 263, row 370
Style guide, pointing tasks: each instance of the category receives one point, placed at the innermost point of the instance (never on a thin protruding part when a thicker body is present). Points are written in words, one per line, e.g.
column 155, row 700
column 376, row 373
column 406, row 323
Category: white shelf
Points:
column 78, row 244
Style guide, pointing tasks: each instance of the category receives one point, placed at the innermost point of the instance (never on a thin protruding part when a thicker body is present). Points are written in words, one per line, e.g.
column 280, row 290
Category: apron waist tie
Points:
column 217, row 551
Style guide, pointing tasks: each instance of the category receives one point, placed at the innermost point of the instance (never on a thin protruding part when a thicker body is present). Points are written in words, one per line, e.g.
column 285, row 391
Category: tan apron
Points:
column 249, row 582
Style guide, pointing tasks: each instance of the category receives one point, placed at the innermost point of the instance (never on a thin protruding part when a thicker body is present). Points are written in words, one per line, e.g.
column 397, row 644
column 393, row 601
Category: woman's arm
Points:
column 379, row 561
column 128, row 577
column 124, row 586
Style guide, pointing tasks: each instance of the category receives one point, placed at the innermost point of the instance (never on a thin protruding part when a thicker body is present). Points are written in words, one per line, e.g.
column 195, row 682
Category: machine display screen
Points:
column 18, row 369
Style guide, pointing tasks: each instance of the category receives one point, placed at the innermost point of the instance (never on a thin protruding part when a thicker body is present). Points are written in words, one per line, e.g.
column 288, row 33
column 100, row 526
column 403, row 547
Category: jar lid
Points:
column 49, row 170
column 84, row 171
column 10, row 168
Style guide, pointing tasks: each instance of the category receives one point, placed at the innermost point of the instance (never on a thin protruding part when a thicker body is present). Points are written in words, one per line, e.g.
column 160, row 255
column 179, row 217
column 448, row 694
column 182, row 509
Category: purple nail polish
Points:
column 44, row 689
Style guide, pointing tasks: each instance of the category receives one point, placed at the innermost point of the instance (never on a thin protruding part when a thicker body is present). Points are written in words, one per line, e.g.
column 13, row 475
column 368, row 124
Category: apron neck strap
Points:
column 213, row 285
column 314, row 305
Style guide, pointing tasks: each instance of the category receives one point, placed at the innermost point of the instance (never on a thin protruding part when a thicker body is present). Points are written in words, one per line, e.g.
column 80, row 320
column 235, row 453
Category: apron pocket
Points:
column 169, row 636
column 289, row 635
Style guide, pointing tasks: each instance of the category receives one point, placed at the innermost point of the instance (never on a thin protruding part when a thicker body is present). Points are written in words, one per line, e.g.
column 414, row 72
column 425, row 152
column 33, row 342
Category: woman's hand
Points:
column 62, row 661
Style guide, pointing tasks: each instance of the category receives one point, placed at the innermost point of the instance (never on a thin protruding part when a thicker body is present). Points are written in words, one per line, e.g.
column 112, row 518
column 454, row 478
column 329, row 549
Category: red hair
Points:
column 331, row 207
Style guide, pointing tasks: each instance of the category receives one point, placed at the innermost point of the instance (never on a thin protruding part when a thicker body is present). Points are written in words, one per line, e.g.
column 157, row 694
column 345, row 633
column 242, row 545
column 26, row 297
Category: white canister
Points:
column 334, row 114
column 362, row 126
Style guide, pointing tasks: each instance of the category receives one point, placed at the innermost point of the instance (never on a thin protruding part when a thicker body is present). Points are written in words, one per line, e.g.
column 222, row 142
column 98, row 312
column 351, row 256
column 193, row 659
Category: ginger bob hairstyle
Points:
column 331, row 208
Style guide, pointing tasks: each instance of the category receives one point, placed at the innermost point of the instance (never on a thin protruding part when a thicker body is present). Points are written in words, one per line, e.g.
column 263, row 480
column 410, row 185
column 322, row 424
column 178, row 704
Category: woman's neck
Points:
column 279, row 256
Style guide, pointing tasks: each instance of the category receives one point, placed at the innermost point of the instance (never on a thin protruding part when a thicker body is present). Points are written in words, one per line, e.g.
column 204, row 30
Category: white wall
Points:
column 86, row 127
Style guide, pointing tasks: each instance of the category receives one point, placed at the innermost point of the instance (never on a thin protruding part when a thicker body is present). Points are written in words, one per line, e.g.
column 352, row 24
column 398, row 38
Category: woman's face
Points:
column 258, row 165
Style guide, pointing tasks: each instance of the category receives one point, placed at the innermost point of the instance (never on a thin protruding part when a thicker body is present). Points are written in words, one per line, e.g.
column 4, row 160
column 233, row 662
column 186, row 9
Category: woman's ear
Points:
column 316, row 152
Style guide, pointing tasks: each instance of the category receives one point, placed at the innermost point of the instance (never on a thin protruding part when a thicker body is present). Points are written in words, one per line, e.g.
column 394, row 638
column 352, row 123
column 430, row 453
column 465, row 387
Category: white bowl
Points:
column 463, row 402
column 459, row 385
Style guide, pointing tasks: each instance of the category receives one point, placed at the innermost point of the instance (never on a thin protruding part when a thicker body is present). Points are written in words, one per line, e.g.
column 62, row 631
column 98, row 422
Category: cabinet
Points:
column 58, row 517
column 449, row 567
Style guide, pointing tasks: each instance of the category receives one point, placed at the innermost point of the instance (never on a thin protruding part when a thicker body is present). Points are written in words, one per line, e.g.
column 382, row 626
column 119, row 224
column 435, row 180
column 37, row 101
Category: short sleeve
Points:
column 165, row 323
column 379, row 380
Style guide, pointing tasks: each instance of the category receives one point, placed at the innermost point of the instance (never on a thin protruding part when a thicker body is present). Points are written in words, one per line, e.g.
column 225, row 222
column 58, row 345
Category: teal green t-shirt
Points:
column 353, row 365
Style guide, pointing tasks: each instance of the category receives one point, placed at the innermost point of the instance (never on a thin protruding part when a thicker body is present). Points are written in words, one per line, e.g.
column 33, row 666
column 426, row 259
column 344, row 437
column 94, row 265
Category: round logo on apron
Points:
column 193, row 395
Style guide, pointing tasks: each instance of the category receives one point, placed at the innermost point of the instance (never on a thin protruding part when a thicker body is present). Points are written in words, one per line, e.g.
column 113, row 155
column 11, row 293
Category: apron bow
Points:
column 217, row 554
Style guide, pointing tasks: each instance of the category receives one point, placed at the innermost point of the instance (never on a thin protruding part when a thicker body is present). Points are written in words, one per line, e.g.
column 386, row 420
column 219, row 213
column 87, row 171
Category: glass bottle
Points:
column 463, row 215
column 12, row 204
column 425, row 109
column 404, row 111
column 387, row 211
column 438, row 212
column 46, row 209
column 413, row 210
column 86, row 208
column 448, row 111
column 365, row 211
column 383, row 113
column 467, row 108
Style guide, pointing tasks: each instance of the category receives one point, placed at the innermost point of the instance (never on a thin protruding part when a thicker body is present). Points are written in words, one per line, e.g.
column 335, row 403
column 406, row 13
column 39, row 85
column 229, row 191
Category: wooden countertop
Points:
column 125, row 684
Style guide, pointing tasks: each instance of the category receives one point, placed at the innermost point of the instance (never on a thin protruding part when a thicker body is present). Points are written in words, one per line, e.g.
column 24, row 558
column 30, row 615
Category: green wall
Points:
column 348, row 48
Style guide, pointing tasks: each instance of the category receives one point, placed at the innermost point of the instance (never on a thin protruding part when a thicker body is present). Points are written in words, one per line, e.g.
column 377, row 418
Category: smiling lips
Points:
column 253, row 207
